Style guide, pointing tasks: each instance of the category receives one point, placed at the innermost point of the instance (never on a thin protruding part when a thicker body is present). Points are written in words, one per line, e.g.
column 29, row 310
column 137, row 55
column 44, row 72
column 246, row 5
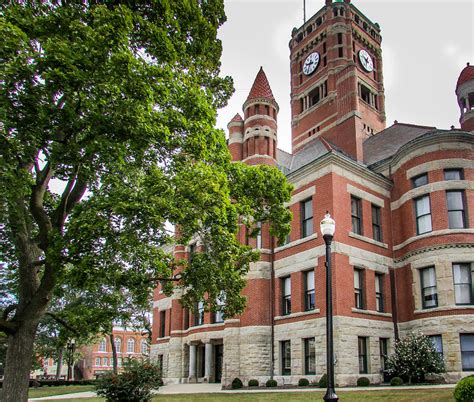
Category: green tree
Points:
column 108, row 111
column 414, row 357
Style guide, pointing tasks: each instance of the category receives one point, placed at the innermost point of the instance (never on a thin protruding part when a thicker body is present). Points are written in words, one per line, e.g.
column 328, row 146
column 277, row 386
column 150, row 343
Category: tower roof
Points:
column 467, row 74
column 261, row 87
column 237, row 117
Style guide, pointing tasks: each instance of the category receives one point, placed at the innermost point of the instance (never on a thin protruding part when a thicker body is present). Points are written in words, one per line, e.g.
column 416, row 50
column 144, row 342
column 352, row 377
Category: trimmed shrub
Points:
column 323, row 381
column 396, row 381
column 303, row 382
column 253, row 383
column 464, row 391
column 237, row 383
column 363, row 382
column 134, row 384
column 271, row 383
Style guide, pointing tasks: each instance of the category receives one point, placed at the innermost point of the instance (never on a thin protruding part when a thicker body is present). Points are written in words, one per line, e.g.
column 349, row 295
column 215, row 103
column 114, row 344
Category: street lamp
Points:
column 328, row 227
column 71, row 346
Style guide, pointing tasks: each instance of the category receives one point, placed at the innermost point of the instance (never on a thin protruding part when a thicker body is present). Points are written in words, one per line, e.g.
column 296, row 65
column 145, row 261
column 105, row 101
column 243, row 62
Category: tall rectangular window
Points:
column 309, row 290
column 437, row 341
column 162, row 323
column 186, row 318
column 379, row 304
column 383, row 344
column 463, row 279
column 259, row 235
column 199, row 314
column 429, row 292
column 362, row 346
column 285, row 357
column 218, row 316
column 309, row 356
column 356, row 212
column 97, row 361
column 467, row 351
column 307, row 218
column 358, row 288
column 453, row 174
column 376, row 223
column 456, row 211
column 286, row 295
column 423, row 214
column 419, row 180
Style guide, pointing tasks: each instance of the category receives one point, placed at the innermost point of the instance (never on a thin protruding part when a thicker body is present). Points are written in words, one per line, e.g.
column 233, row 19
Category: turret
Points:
column 260, row 123
column 236, row 137
column 465, row 95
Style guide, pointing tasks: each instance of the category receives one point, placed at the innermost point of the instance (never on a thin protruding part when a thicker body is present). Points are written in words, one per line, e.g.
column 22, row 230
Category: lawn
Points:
column 61, row 390
column 423, row 395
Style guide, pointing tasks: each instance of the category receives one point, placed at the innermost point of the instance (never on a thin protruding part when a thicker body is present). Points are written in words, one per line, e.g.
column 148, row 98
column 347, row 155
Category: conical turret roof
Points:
column 237, row 118
column 467, row 74
column 261, row 87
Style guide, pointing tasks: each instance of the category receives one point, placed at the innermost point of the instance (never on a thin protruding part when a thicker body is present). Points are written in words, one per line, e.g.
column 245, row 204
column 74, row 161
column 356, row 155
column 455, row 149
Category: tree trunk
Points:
column 18, row 363
column 114, row 353
column 59, row 366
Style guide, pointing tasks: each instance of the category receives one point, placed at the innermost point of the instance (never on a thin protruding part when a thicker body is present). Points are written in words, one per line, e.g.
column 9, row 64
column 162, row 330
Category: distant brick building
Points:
column 98, row 358
column 402, row 198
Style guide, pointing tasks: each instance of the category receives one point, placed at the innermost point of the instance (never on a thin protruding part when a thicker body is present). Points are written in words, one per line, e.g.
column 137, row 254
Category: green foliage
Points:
column 237, row 383
column 323, row 381
column 271, row 383
column 134, row 384
column 363, row 382
column 108, row 112
column 253, row 383
column 414, row 357
column 464, row 390
column 303, row 382
column 396, row 381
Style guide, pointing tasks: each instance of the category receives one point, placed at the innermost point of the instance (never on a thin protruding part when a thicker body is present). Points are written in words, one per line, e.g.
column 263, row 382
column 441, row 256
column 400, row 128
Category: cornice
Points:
column 430, row 249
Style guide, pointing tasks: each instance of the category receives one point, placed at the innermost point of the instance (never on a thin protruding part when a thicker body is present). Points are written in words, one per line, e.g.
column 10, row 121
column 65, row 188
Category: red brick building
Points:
column 402, row 198
column 97, row 359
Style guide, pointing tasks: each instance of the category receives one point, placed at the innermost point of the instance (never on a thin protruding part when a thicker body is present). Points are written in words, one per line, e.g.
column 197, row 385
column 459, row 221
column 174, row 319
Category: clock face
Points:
column 366, row 60
column 311, row 63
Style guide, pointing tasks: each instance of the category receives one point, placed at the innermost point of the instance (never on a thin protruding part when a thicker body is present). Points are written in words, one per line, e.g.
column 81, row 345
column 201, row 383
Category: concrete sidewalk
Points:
column 216, row 389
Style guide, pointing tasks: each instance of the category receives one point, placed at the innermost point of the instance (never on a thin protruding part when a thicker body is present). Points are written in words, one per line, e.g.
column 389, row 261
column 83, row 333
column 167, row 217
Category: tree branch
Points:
column 7, row 326
column 8, row 310
column 63, row 323
column 36, row 205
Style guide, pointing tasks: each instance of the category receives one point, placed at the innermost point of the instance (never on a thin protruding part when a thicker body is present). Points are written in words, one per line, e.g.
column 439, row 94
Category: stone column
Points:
column 192, row 363
column 208, row 362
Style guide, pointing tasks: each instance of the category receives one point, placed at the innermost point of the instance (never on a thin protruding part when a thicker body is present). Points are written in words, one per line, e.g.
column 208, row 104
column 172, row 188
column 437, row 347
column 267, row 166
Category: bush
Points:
column 396, row 381
column 134, row 384
column 271, row 383
column 253, row 383
column 415, row 356
column 237, row 383
column 303, row 382
column 363, row 382
column 323, row 381
column 464, row 391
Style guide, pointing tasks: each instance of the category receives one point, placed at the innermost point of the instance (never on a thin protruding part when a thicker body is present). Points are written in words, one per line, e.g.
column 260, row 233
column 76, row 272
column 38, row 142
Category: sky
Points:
column 425, row 45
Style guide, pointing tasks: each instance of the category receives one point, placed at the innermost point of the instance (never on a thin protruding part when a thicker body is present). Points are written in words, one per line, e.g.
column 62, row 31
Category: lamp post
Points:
column 328, row 227
column 71, row 346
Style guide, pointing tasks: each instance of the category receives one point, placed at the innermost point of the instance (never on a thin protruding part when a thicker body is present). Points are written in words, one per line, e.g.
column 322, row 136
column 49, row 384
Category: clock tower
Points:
column 336, row 79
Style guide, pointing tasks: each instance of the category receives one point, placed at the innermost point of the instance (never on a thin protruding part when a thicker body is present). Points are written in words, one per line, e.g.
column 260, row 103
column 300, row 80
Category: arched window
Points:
column 131, row 345
column 97, row 361
column 144, row 347
column 118, row 344
column 102, row 346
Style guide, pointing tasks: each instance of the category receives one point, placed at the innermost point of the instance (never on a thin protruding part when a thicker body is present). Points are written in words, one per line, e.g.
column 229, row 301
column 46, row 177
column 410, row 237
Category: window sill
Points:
column 445, row 308
column 371, row 312
column 367, row 240
column 299, row 314
column 296, row 242
column 164, row 338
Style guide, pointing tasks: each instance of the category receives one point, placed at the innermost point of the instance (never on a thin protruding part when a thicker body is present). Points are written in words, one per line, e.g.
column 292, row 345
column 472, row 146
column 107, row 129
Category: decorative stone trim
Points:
column 433, row 234
column 431, row 187
column 444, row 308
column 371, row 312
column 236, row 138
column 164, row 338
column 439, row 164
column 367, row 239
column 302, row 195
column 298, row 314
column 259, row 116
column 258, row 156
column 296, row 242
column 365, row 195
column 162, row 304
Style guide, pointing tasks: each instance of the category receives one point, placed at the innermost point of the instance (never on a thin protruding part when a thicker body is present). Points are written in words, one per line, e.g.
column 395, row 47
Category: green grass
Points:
column 61, row 390
column 424, row 395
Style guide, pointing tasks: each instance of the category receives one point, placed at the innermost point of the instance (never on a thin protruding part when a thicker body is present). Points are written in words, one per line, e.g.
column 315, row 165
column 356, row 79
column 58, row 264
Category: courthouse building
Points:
column 403, row 201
